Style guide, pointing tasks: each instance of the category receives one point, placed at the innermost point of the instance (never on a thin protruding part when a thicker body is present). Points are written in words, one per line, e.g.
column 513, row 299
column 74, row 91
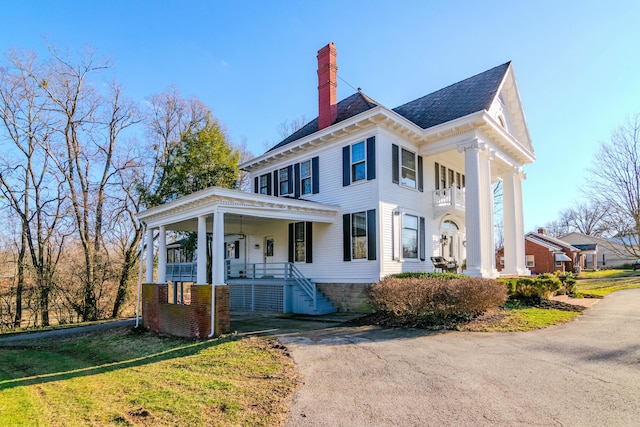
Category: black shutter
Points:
column 420, row 175
column 290, row 176
column 291, row 242
column 315, row 175
column 268, row 184
column 346, row 237
column 371, row 158
column 437, row 176
column 421, row 240
column 255, row 185
column 308, row 243
column 276, row 183
column 395, row 164
column 371, row 234
column 346, row 166
column 237, row 249
column 296, row 180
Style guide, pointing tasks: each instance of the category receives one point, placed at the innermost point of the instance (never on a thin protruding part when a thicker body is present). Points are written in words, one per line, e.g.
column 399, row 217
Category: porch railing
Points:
column 449, row 197
column 286, row 271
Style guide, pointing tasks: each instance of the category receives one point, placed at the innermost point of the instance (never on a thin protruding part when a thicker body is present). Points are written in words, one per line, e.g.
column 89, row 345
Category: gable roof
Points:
column 348, row 107
column 552, row 240
column 460, row 99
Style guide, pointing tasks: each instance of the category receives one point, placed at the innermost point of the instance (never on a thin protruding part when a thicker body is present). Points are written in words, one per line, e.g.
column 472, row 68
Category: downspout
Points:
column 144, row 230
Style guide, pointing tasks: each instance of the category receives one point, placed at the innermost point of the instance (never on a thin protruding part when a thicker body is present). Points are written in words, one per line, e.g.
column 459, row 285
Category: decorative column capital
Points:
column 473, row 144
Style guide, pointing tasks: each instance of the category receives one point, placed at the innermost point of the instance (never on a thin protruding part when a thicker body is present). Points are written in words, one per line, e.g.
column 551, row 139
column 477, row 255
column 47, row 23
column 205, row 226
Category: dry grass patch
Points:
column 125, row 378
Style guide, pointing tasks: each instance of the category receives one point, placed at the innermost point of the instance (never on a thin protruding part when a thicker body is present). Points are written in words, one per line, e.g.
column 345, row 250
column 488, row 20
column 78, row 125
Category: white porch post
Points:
column 217, row 262
column 149, row 266
column 514, row 253
column 201, row 277
column 162, row 254
column 479, row 210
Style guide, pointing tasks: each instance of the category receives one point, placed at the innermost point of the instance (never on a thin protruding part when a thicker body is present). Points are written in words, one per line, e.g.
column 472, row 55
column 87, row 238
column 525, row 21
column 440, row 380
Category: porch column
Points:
column 149, row 263
column 479, row 210
column 217, row 253
column 162, row 254
column 201, row 277
column 514, row 253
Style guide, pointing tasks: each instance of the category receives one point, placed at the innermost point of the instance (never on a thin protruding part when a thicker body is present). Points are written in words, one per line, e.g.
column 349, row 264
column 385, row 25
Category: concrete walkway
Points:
column 584, row 373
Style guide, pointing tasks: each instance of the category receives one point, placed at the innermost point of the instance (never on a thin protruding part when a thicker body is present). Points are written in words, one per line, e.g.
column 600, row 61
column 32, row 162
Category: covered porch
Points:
column 240, row 246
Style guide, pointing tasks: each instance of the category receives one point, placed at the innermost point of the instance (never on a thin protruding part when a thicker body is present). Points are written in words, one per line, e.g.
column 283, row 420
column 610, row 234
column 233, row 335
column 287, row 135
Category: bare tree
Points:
column 616, row 170
column 33, row 191
column 556, row 228
column 587, row 218
column 288, row 127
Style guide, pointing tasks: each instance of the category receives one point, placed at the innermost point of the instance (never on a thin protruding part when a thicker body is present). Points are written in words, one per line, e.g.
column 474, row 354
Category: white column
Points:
column 514, row 254
column 479, row 210
column 521, row 259
column 202, row 250
column 217, row 253
column 162, row 255
column 149, row 239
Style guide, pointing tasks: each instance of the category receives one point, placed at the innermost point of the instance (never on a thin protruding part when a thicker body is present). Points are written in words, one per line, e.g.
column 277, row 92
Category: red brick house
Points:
column 546, row 254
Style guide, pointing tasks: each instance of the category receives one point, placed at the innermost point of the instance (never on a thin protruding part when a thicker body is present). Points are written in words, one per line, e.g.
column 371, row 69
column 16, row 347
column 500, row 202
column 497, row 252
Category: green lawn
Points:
column 608, row 274
column 520, row 319
column 125, row 378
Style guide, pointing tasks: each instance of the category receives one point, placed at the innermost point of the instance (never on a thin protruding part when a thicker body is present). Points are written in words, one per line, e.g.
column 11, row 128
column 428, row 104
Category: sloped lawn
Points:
column 127, row 378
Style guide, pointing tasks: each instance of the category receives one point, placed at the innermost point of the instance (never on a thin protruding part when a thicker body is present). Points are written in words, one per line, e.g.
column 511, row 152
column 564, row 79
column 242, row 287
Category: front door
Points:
column 269, row 249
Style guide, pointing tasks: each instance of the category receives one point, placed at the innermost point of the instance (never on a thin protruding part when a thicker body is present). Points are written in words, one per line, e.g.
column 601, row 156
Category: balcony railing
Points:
column 446, row 197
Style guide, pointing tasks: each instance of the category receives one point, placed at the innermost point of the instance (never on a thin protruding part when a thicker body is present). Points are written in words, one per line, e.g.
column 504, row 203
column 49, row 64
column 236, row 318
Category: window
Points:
column 358, row 162
column 530, row 261
column 409, row 236
column 299, row 242
column 264, row 184
column 443, row 177
column 451, row 181
column 359, row 235
column 408, row 177
column 283, row 179
column 458, row 180
column 447, row 178
column 501, row 260
column 305, row 177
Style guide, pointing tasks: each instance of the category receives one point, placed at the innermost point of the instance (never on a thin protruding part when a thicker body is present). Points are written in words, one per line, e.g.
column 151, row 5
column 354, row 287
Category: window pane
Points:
column 408, row 178
column 410, row 236
column 359, row 247
column 357, row 152
column 408, row 159
column 305, row 169
column 306, row 186
column 358, row 171
column 300, row 245
column 284, row 181
column 359, row 224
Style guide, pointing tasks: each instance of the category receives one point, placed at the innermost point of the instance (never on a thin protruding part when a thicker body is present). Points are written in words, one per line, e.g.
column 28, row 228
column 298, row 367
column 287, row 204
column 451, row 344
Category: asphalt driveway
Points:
column 585, row 373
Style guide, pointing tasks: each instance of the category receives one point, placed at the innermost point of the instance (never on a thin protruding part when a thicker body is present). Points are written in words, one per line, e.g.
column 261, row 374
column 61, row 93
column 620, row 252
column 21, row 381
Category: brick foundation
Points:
column 193, row 320
column 348, row 297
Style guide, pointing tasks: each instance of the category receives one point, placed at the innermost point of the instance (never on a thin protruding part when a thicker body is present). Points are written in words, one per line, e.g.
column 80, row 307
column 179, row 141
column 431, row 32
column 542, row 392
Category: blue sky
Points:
column 254, row 62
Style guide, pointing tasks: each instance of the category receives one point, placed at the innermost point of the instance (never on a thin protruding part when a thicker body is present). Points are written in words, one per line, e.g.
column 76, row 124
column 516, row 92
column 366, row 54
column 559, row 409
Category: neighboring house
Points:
column 547, row 254
column 611, row 252
column 364, row 191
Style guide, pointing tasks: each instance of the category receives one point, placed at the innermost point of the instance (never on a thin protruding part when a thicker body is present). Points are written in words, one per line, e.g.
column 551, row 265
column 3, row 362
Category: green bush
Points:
column 542, row 286
column 439, row 297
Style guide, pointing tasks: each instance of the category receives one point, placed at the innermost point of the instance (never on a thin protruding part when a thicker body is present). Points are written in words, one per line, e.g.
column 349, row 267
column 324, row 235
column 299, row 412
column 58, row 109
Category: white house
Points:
column 364, row 191
column 610, row 253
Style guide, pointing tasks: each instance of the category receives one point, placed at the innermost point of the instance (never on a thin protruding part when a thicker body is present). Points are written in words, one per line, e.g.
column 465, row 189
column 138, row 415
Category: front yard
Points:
column 127, row 378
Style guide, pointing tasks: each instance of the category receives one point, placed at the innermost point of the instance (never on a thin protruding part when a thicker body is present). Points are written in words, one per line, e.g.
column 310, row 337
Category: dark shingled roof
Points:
column 348, row 107
column 586, row 246
column 458, row 100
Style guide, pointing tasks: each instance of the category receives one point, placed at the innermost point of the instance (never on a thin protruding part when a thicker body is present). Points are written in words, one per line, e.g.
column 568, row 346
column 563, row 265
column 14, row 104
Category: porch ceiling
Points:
column 182, row 214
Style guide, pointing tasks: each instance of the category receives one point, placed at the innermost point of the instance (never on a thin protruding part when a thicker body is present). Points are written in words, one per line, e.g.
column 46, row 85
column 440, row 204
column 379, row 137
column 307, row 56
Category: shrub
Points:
column 424, row 275
column 568, row 281
column 524, row 288
column 437, row 297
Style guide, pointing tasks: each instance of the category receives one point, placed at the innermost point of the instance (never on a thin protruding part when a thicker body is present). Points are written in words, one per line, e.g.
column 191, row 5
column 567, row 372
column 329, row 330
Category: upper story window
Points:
column 358, row 162
column 305, row 177
column 264, row 184
column 283, row 180
column 447, row 178
column 408, row 173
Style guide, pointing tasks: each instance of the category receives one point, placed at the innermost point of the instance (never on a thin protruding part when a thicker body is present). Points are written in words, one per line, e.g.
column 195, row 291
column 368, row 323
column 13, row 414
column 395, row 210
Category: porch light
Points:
column 444, row 239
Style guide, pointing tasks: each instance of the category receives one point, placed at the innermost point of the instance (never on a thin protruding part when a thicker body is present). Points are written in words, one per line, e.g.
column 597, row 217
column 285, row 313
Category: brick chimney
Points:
column 542, row 231
column 327, row 86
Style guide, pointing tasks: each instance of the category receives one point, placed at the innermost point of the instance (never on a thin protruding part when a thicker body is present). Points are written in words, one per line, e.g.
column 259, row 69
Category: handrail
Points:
column 305, row 284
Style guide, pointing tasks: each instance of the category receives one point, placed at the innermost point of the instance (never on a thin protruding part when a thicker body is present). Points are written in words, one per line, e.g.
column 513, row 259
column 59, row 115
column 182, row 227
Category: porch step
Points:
column 303, row 303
